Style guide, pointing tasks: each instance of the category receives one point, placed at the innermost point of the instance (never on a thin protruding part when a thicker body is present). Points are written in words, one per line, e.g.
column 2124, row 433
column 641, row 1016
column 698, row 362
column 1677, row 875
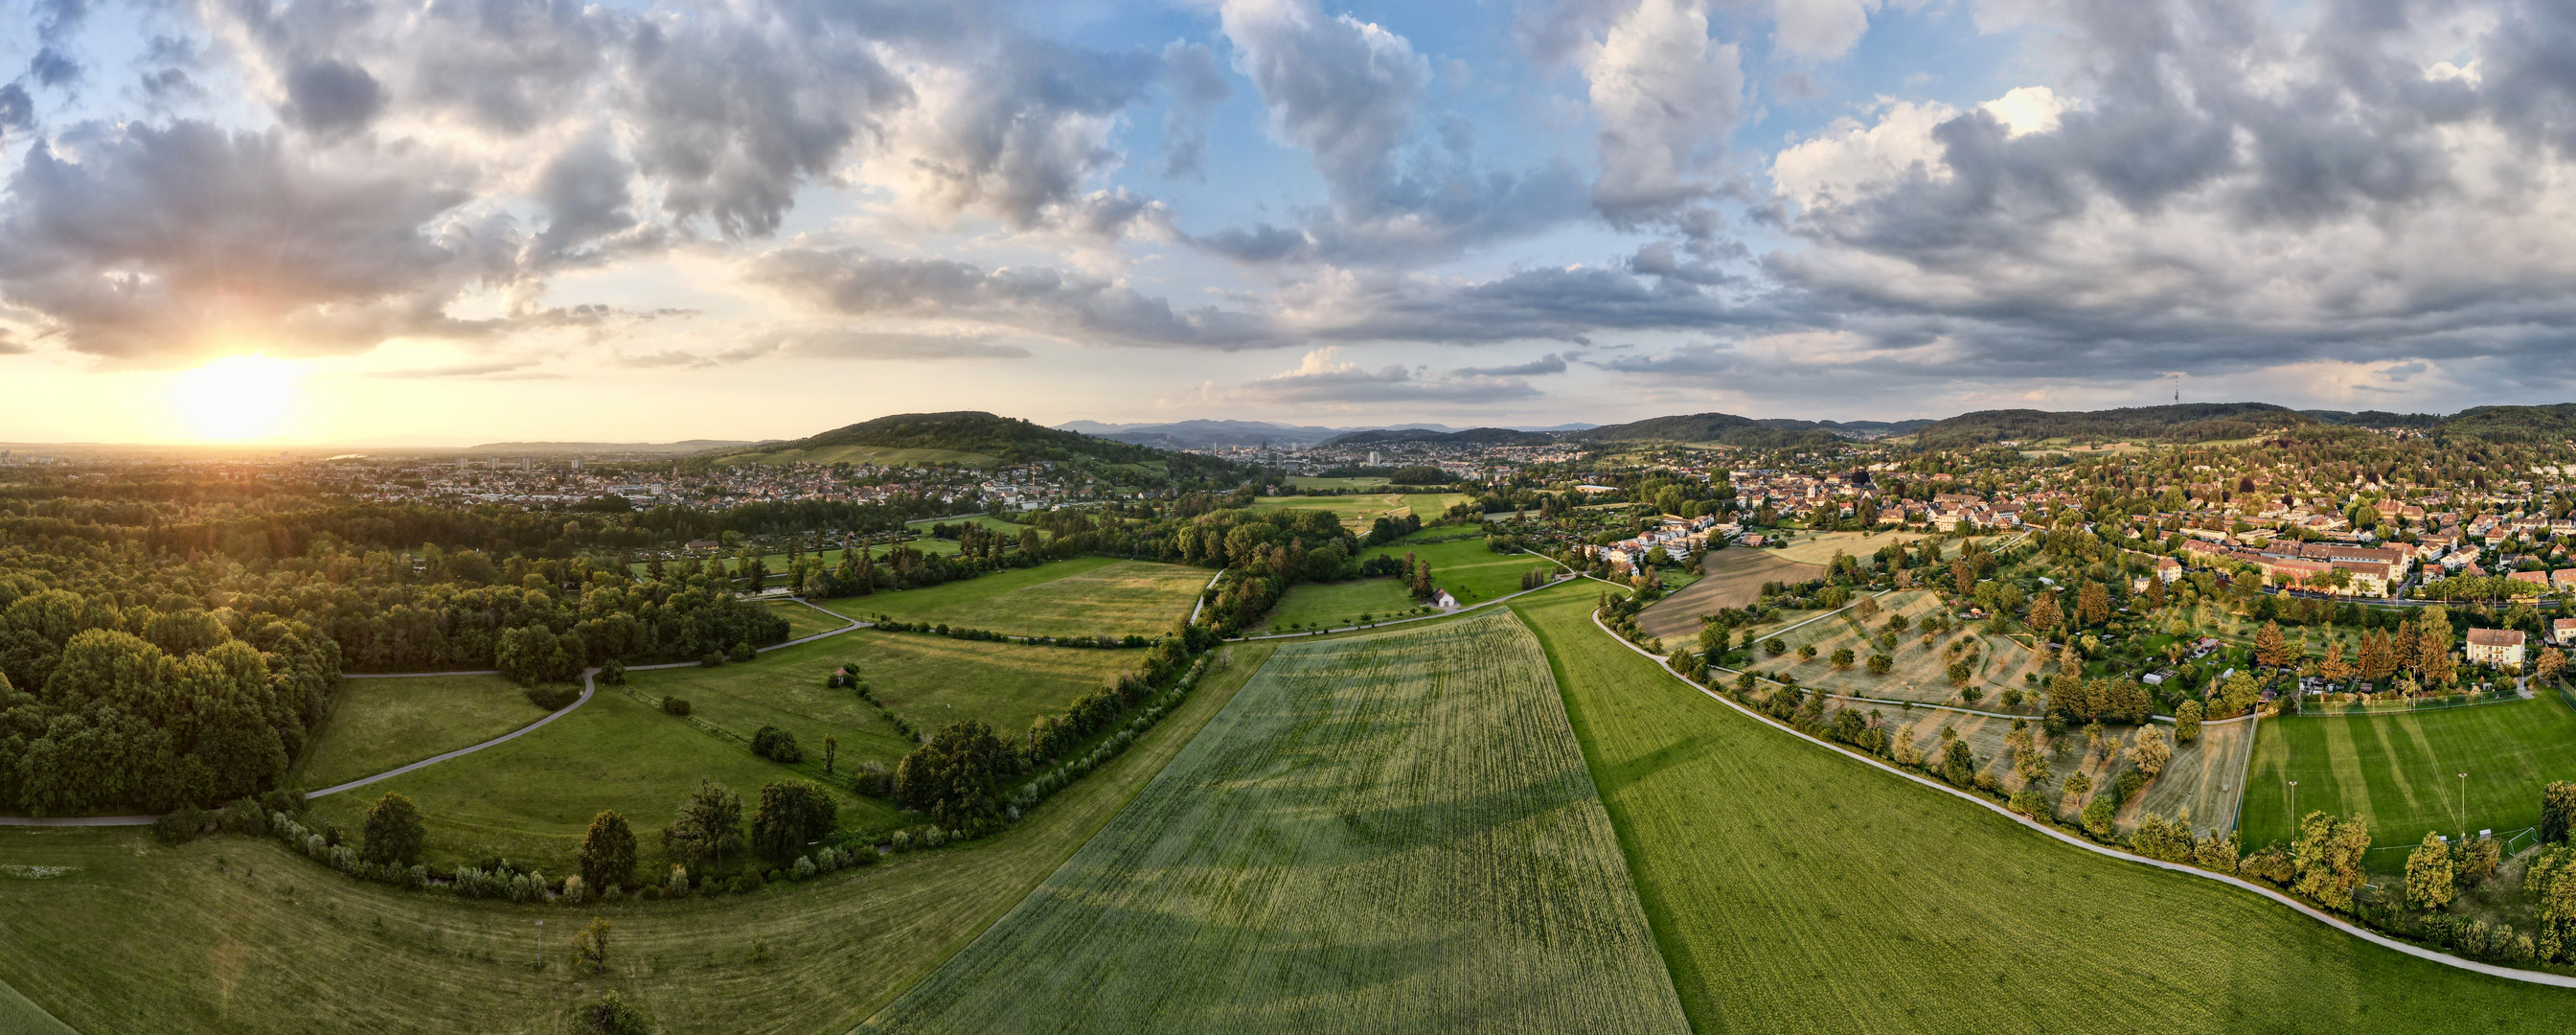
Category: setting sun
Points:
column 236, row 398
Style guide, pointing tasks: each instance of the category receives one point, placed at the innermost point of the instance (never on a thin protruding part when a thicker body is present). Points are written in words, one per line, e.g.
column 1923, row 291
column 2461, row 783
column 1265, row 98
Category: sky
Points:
column 460, row 221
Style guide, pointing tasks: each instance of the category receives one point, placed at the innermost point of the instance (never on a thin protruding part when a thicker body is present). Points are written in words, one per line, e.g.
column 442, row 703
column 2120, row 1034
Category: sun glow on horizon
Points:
column 236, row 398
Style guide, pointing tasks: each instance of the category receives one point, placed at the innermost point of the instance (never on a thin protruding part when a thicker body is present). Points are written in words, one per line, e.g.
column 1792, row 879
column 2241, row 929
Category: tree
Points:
column 831, row 749
column 2551, row 662
column 1842, row 657
column 791, row 815
column 1958, row 764
column 952, row 775
column 2093, row 604
column 394, row 831
column 709, row 824
column 777, row 745
column 611, row 1016
column 1806, row 652
column 2478, row 858
column 2327, row 858
column 1964, row 576
column 2377, row 660
column 2151, row 752
column 2271, row 649
column 2044, row 614
column 1775, row 646
column 2187, row 722
column 2429, row 878
column 590, row 946
column 2558, row 812
column 1881, row 664
column 607, row 852
column 2337, row 668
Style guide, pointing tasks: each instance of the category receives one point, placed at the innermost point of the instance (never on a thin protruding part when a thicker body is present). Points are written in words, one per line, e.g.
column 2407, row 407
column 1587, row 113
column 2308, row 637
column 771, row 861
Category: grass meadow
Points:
column 530, row 800
column 1389, row 833
column 1793, row 888
column 1328, row 605
column 2401, row 770
column 929, row 680
column 1085, row 596
column 231, row 935
column 379, row 724
column 1463, row 566
column 803, row 621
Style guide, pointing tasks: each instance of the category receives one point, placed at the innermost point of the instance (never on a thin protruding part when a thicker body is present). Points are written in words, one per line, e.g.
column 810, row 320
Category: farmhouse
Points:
column 2501, row 647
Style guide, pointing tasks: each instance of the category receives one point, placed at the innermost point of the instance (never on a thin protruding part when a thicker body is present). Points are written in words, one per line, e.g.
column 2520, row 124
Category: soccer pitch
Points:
column 2402, row 770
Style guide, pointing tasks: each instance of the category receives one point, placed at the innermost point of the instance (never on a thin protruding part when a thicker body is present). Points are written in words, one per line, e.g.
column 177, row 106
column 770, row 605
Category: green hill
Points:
column 978, row 439
column 1719, row 428
column 2185, row 422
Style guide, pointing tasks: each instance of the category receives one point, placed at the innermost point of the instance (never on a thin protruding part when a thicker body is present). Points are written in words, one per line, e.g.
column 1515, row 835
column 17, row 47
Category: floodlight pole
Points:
column 2464, row 807
column 2294, row 805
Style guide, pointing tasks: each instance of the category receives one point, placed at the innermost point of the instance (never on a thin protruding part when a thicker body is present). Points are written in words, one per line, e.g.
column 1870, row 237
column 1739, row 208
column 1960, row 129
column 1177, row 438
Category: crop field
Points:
column 1819, row 547
column 1387, row 833
column 230, row 935
column 1793, row 888
column 2401, row 770
column 929, row 680
column 529, row 800
column 2206, row 776
column 1326, row 605
column 380, row 724
column 1085, row 596
column 1732, row 577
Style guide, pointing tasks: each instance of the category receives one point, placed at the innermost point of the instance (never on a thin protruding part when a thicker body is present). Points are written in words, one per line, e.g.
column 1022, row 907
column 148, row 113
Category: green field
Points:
column 20, row 1016
column 984, row 521
column 1358, row 512
column 1328, row 605
column 1795, row 889
column 804, row 621
column 1384, row 834
column 1304, row 481
column 380, row 724
column 929, row 680
column 230, row 935
column 2402, row 770
column 1086, row 596
column 529, row 800
column 1463, row 566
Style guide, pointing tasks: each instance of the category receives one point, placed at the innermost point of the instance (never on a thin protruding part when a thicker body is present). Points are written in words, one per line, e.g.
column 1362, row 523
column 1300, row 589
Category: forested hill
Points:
column 1721, row 428
column 978, row 438
column 2186, row 422
column 1469, row 437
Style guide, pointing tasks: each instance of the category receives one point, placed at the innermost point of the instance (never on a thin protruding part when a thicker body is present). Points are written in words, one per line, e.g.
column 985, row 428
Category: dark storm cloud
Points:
column 330, row 98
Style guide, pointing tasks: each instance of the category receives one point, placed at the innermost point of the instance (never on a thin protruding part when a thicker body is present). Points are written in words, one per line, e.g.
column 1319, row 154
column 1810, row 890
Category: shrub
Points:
column 552, row 696
column 744, row 884
column 934, row 837
column 282, row 800
column 394, row 830
column 182, row 826
column 902, row 840
column 867, row 855
column 675, row 706
column 243, row 816
column 741, row 652
column 572, row 890
column 804, row 868
column 777, row 745
column 610, row 1016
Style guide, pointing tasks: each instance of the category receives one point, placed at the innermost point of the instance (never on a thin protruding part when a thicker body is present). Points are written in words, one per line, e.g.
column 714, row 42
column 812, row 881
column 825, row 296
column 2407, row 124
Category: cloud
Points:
column 1666, row 97
column 490, row 370
column 1319, row 378
column 140, row 241
column 1191, row 78
column 1820, row 29
column 330, row 98
column 852, row 282
column 1548, row 364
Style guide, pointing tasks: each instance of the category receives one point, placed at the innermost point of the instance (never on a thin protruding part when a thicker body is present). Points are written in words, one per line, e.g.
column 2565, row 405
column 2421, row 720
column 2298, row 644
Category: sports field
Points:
column 530, row 800
column 1795, row 889
column 380, row 724
column 231, row 935
column 1085, row 596
column 1389, row 833
column 929, row 680
column 1732, row 577
column 1329, row 605
column 2402, row 770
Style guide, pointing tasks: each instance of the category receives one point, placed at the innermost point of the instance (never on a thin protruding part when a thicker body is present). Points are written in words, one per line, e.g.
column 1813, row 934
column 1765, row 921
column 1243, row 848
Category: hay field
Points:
column 1085, row 596
column 2206, row 777
column 1391, row 833
column 1731, row 577
column 380, row 724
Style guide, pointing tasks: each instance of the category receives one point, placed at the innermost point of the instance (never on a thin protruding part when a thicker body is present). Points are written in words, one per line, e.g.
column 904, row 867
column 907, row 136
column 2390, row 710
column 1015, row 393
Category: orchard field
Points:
column 1086, row 596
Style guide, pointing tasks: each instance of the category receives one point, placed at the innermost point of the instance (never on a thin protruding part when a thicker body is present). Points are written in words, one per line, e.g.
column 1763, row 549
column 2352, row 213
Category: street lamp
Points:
column 2464, row 806
column 2294, row 805
column 541, row 944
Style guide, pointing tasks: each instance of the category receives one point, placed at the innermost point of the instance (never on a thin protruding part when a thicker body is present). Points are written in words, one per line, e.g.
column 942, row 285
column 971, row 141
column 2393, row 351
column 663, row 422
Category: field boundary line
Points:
column 2321, row 916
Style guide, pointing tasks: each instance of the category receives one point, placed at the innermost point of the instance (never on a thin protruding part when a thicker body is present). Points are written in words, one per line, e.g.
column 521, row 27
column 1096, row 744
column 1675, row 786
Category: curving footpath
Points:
column 1194, row 615
column 2321, row 916
column 588, row 687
